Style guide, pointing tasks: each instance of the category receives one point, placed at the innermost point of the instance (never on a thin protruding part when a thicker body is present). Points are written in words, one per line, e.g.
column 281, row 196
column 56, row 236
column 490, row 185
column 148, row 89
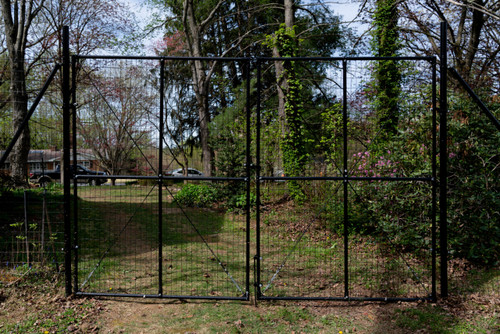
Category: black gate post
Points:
column 75, row 160
column 434, row 178
column 160, row 181
column 66, row 156
column 248, row 176
column 443, row 160
column 345, row 181
column 257, row 258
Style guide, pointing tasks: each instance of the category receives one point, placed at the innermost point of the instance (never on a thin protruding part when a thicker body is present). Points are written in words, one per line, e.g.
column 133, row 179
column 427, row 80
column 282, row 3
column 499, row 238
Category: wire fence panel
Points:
column 31, row 222
column 164, row 224
column 355, row 218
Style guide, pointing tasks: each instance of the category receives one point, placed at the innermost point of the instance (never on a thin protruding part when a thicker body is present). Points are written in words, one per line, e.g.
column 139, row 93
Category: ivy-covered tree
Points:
column 293, row 132
column 387, row 77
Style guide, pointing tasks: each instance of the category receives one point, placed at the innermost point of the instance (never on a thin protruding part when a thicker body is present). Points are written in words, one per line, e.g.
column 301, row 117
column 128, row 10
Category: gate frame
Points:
column 69, row 110
column 159, row 178
column 345, row 178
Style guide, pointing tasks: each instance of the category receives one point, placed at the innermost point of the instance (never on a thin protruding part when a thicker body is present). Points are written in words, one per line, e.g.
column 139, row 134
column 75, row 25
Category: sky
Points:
column 347, row 8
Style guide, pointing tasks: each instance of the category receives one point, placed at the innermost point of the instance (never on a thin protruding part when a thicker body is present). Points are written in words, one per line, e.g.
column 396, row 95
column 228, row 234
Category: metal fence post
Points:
column 257, row 258
column 75, row 160
column 66, row 159
column 434, row 178
column 248, row 176
column 443, row 157
column 345, row 181
column 160, row 180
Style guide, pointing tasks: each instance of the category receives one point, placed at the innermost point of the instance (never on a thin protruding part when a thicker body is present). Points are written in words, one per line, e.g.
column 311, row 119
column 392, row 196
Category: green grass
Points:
column 231, row 318
column 49, row 322
column 435, row 319
column 123, row 231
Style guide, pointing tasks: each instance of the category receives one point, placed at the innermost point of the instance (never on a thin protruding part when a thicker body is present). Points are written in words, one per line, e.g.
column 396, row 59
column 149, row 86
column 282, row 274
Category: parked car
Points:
column 191, row 172
column 55, row 175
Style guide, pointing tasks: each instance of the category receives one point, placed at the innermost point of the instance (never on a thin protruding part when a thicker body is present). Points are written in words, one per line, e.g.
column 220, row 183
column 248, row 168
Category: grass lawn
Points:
column 35, row 303
column 203, row 254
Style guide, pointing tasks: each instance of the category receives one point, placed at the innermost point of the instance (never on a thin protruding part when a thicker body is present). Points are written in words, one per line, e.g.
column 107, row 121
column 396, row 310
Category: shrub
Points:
column 239, row 201
column 473, row 184
column 401, row 210
column 200, row 195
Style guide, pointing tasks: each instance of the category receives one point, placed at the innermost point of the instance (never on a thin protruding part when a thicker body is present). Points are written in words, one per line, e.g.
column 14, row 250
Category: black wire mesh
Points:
column 165, row 227
column 362, row 224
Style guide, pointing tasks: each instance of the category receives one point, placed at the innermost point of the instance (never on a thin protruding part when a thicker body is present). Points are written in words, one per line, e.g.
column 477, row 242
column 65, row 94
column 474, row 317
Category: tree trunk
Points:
column 475, row 35
column 200, row 80
column 279, row 67
column 19, row 154
column 17, row 17
column 282, row 86
column 201, row 90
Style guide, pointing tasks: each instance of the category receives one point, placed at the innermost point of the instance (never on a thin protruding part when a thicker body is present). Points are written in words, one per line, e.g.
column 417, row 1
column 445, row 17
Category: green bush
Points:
column 239, row 201
column 200, row 195
column 473, row 184
column 402, row 210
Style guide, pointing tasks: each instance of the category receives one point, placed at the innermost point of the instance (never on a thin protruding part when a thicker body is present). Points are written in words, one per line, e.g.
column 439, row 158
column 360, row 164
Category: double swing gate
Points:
column 354, row 219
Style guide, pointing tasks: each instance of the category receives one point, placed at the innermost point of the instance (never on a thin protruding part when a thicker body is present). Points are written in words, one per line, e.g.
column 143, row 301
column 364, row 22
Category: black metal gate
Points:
column 364, row 228
column 363, row 225
column 141, row 236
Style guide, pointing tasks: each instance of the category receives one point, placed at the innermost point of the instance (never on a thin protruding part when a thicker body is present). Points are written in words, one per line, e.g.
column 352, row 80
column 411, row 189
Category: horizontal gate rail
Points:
column 341, row 178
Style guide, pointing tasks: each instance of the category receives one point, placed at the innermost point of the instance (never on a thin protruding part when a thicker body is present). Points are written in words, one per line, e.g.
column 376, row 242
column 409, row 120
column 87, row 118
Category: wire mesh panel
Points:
column 166, row 222
column 392, row 168
column 117, row 240
column 117, row 112
column 31, row 222
column 347, row 207
column 300, row 250
column 205, row 253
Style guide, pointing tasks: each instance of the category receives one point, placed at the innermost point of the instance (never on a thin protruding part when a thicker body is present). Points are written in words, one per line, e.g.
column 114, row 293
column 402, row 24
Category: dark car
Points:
column 81, row 170
column 48, row 176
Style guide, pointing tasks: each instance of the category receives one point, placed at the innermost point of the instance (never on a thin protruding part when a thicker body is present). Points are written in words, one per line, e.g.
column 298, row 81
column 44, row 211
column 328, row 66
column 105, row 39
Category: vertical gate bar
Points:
column 443, row 157
column 346, row 198
column 75, row 156
column 248, row 183
column 257, row 183
column 66, row 153
column 160, row 183
column 434, row 180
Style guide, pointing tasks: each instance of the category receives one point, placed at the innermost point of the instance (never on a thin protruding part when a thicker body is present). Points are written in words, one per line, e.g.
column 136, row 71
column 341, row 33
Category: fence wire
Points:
column 356, row 218
column 31, row 222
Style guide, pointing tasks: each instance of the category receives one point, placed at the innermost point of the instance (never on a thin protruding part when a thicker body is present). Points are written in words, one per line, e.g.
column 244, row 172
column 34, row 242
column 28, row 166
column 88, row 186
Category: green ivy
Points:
column 294, row 138
column 387, row 76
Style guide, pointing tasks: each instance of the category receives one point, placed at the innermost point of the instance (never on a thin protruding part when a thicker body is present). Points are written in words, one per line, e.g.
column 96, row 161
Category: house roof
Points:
column 55, row 155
